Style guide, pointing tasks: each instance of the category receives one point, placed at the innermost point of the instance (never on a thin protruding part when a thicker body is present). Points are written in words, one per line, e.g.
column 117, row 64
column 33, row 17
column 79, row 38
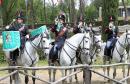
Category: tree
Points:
column 91, row 13
column 109, row 8
column 125, row 9
column 82, row 8
column 97, row 3
column 73, row 12
column 10, row 8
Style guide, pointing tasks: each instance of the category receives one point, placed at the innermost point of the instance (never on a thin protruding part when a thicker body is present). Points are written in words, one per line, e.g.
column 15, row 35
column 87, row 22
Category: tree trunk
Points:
column 45, row 12
column 82, row 8
column 125, row 9
column 109, row 8
column 32, row 13
column 73, row 12
column 1, row 20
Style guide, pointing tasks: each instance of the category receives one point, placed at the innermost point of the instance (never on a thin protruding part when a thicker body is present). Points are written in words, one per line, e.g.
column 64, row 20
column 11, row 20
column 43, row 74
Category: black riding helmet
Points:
column 111, row 18
column 61, row 16
column 20, row 15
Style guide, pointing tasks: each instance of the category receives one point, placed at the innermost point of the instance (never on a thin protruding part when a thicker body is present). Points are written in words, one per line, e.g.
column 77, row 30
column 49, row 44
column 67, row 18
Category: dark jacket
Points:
column 22, row 28
column 111, row 33
column 57, row 33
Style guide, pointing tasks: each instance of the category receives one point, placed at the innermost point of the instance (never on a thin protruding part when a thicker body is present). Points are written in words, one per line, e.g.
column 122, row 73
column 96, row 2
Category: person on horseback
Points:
column 60, row 31
column 19, row 25
column 90, row 26
column 80, row 28
column 111, row 32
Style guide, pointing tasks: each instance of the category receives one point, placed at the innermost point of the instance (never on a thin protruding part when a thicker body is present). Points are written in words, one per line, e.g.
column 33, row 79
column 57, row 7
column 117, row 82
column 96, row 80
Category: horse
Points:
column 67, row 55
column 119, row 52
column 29, row 57
column 96, row 43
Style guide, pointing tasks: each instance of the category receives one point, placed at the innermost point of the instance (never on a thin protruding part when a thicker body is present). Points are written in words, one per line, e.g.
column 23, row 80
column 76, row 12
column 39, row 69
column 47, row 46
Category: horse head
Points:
column 45, row 43
column 85, row 48
column 42, row 41
column 97, row 41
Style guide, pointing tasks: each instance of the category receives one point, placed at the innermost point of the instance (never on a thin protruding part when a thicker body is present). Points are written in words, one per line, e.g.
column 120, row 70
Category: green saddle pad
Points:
column 11, row 40
column 38, row 31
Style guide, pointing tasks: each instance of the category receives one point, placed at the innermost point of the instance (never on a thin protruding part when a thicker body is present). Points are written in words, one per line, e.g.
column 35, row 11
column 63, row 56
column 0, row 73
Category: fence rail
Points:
column 17, row 69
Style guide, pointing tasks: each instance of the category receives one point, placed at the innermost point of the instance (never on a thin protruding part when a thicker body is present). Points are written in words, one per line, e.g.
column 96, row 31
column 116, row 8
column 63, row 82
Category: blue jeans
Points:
column 110, row 43
column 58, row 45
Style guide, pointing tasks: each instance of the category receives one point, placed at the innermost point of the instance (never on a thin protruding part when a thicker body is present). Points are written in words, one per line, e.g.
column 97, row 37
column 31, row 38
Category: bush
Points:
column 2, row 58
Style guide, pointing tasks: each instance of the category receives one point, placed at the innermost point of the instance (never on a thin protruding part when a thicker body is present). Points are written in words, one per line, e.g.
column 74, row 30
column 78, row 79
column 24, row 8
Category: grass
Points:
column 4, row 64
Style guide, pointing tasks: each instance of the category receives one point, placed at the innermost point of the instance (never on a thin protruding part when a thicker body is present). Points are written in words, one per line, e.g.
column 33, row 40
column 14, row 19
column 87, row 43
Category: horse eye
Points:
column 86, row 41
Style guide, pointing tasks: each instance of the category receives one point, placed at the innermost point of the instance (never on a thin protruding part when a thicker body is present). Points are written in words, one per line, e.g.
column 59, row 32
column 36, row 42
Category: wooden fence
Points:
column 17, row 69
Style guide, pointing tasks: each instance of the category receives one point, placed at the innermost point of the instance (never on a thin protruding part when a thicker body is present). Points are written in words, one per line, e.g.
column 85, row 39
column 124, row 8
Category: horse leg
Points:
column 114, row 73
column 104, row 69
column 123, row 70
column 10, row 78
column 108, row 70
column 76, row 78
column 51, row 76
column 26, row 77
column 17, row 79
column 49, row 71
column 33, row 73
column 128, row 70
column 9, row 71
column 54, row 75
column 124, row 73
column 70, row 71
column 63, row 74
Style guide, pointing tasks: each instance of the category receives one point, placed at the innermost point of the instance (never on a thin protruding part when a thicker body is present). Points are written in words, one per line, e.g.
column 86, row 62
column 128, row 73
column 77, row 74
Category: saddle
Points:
column 54, row 55
column 78, row 53
column 109, row 51
column 14, row 55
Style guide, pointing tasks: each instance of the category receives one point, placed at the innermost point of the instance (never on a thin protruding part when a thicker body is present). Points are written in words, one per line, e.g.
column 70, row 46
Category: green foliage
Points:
column 97, row 3
column 10, row 8
column 109, row 8
column 127, row 2
column 91, row 13
column 2, row 57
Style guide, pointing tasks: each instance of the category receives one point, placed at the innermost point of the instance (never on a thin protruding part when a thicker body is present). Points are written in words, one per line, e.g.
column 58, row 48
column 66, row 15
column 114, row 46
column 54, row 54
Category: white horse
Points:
column 119, row 53
column 67, row 56
column 29, row 57
column 96, row 43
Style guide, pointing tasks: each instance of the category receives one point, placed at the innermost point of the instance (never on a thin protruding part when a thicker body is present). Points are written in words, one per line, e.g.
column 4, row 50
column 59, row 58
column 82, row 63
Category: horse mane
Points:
column 32, row 38
column 78, row 34
column 122, row 36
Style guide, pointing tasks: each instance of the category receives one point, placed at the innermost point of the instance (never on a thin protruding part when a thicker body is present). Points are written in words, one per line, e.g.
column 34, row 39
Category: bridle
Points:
column 36, row 47
column 75, row 48
column 40, row 42
column 93, row 48
column 124, row 47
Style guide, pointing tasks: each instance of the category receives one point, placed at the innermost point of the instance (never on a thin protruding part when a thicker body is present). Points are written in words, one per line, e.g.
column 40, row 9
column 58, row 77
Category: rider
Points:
column 60, row 31
column 112, row 32
column 21, row 27
column 90, row 27
column 80, row 28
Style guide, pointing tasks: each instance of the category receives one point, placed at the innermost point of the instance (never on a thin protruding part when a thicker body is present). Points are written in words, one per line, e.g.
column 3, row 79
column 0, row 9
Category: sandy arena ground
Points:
column 96, row 79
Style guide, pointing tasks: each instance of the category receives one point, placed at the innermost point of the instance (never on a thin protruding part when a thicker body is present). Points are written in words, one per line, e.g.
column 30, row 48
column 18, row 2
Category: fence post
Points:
column 87, row 75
